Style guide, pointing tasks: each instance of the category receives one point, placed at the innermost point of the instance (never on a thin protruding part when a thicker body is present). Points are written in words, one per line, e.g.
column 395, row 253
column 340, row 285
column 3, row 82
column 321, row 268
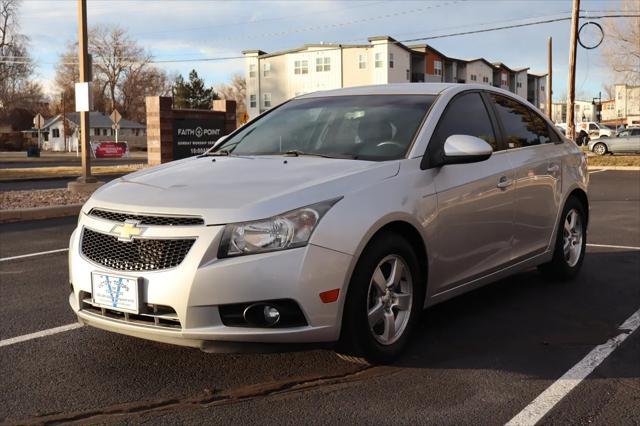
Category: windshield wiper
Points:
column 297, row 153
column 220, row 153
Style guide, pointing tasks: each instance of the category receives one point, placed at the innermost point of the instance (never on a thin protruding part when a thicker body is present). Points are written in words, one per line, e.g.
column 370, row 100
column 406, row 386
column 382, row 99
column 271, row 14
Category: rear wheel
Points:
column 384, row 302
column 600, row 149
column 571, row 241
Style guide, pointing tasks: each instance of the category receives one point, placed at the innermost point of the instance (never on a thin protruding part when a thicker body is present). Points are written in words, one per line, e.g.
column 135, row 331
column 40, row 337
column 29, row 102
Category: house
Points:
column 100, row 130
column 273, row 78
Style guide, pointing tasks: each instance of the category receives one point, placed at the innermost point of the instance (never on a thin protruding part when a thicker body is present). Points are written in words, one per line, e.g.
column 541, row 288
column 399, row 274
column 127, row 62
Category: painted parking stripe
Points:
column 38, row 334
column 540, row 406
column 40, row 253
column 597, row 171
column 613, row 247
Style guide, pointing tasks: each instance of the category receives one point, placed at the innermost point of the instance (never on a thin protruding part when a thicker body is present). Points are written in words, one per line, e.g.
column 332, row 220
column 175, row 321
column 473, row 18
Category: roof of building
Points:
column 428, row 47
column 537, row 74
column 479, row 60
column 96, row 120
column 390, row 40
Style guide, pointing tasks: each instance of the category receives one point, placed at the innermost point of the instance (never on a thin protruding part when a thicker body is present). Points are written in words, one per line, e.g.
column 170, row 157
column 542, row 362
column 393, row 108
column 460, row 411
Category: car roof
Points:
column 402, row 89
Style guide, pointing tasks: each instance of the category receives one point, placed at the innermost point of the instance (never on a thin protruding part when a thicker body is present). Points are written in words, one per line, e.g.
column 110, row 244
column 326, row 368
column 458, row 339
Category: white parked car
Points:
column 334, row 218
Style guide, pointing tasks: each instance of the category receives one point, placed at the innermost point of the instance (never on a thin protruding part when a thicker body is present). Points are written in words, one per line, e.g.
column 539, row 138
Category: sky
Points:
column 181, row 30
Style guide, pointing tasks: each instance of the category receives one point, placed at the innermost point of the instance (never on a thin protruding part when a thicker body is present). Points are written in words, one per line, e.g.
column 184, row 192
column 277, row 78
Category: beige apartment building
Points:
column 273, row 78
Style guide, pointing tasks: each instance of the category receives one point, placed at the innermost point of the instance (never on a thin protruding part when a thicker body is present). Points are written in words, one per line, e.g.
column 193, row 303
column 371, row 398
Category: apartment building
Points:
column 583, row 111
column 627, row 105
column 273, row 78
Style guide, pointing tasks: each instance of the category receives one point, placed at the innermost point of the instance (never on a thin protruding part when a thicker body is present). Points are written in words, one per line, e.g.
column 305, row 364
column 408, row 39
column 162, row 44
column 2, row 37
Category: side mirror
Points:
column 462, row 149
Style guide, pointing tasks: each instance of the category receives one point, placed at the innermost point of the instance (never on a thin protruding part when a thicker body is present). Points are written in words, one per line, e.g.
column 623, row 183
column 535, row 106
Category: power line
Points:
column 333, row 48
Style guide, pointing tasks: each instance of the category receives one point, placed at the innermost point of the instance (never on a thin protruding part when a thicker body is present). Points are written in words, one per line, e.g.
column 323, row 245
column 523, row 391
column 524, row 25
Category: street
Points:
column 477, row 359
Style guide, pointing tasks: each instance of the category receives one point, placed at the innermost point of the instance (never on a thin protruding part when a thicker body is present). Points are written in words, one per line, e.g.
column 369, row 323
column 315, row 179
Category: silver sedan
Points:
column 626, row 142
column 334, row 219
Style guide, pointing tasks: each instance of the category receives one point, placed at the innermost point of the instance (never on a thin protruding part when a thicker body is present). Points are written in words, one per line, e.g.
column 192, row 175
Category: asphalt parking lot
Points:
column 478, row 359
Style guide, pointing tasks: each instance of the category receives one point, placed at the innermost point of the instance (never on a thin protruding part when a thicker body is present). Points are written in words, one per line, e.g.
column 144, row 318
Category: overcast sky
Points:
column 206, row 29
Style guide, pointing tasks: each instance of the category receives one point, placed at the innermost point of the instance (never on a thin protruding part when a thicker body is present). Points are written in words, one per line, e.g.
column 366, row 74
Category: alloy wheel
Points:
column 389, row 299
column 572, row 237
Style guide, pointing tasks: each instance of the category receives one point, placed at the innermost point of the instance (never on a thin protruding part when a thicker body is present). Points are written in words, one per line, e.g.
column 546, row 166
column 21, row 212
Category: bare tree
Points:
column 621, row 47
column 235, row 91
column 16, row 67
column 122, row 73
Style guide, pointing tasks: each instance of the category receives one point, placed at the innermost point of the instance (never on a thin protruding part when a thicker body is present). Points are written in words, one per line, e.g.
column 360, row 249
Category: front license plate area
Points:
column 116, row 292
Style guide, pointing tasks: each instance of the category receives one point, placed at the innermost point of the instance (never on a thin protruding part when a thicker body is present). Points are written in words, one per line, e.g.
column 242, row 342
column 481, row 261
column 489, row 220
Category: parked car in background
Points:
column 333, row 218
column 595, row 130
column 626, row 142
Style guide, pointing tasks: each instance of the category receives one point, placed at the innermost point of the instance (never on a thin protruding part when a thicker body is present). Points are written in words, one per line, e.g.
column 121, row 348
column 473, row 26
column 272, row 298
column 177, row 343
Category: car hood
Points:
column 236, row 189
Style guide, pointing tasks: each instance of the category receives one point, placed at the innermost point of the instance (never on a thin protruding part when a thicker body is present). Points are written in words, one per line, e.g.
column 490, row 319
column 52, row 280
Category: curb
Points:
column 635, row 168
column 20, row 215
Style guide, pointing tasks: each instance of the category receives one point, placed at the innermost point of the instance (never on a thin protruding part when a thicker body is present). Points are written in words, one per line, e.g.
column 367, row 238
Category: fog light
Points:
column 271, row 315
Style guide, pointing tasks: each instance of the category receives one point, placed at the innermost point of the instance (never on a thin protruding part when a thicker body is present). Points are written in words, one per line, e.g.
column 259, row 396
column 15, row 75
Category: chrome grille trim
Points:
column 163, row 317
column 140, row 254
column 146, row 219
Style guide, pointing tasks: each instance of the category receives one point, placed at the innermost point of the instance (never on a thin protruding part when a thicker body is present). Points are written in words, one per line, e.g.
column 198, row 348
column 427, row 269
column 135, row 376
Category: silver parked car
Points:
column 625, row 142
column 334, row 218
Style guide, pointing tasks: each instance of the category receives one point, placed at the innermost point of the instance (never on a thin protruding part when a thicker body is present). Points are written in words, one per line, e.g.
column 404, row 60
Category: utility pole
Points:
column 573, row 45
column 64, row 121
column 550, row 81
column 83, row 50
column 85, row 182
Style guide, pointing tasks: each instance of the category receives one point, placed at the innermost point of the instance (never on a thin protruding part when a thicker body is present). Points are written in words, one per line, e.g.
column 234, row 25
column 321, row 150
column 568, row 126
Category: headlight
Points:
column 288, row 230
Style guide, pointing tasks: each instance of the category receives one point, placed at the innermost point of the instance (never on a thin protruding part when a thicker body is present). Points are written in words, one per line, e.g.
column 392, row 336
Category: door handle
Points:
column 504, row 182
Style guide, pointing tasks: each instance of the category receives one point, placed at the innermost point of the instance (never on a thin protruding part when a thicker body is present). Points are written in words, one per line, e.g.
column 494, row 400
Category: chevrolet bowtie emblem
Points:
column 128, row 230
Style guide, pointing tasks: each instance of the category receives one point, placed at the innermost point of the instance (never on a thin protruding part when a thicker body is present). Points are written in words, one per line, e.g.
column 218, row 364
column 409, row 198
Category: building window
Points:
column 378, row 60
column 542, row 88
column 408, row 75
column 485, row 79
column 519, row 84
column 362, row 61
column 473, row 77
column 323, row 64
column 266, row 70
column 252, row 70
column 504, row 80
column 437, row 67
column 55, row 133
column 252, row 101
column 390, row 60
column 266, row 100
column 301, row 67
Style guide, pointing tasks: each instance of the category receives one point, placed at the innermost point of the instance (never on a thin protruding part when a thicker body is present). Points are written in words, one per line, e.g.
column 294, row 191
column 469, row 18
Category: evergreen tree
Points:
column 192, row 94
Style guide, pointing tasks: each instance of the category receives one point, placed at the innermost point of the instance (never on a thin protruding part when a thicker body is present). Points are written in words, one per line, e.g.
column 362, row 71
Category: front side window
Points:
column 372, row 127
column 522, row 127
column 466, row 114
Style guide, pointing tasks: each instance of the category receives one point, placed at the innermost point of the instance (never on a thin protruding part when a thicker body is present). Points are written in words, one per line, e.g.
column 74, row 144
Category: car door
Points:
column 474, row 225
column 536, row 153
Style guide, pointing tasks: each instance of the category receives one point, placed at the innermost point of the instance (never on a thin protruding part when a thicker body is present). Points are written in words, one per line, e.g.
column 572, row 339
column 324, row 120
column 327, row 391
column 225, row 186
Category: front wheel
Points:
column 600, row 149
column 384, row 301
column 571, row 242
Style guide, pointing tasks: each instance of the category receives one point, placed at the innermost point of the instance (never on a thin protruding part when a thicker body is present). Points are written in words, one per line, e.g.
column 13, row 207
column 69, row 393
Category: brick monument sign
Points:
column 173, row 134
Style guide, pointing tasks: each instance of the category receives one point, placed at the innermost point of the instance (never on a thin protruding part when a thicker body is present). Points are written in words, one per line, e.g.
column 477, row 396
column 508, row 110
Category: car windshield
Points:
column 368, row 127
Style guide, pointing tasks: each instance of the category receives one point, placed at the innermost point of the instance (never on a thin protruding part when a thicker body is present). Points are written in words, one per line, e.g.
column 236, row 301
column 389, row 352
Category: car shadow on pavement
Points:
column 527, row 324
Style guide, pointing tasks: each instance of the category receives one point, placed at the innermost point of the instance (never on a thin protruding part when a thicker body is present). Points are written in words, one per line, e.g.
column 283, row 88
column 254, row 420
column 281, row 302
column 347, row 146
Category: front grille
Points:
column 147, row 219
column 135, row 255
column 150, row 315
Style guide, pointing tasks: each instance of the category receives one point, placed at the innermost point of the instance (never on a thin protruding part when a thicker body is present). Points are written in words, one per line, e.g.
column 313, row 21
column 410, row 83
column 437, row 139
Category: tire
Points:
column 565, row 265
column 391, row 305
column 600, row 149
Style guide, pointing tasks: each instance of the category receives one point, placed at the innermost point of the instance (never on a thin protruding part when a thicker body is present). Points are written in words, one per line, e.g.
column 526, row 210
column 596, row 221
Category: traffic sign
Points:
column 115, row 116
column 38, row 121
column 115, row 126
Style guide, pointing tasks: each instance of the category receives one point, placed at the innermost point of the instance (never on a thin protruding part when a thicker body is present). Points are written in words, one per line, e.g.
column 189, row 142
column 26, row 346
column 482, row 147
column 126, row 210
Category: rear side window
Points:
column 522, row 127
column 465, row 115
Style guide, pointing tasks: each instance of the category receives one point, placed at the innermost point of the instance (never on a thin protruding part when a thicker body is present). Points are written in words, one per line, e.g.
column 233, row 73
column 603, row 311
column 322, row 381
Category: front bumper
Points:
column 201, row 283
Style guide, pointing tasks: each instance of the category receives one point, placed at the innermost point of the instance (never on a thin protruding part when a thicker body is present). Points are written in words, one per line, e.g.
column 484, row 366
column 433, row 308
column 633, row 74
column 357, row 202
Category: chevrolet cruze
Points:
column 334, row 218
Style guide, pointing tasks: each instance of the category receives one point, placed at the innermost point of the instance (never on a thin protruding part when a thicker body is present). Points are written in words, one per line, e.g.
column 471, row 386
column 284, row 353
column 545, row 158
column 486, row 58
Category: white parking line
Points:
column 540, row 406
column 40, row 253
column 38, row 334
column 613, row 247
column 597, row 171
